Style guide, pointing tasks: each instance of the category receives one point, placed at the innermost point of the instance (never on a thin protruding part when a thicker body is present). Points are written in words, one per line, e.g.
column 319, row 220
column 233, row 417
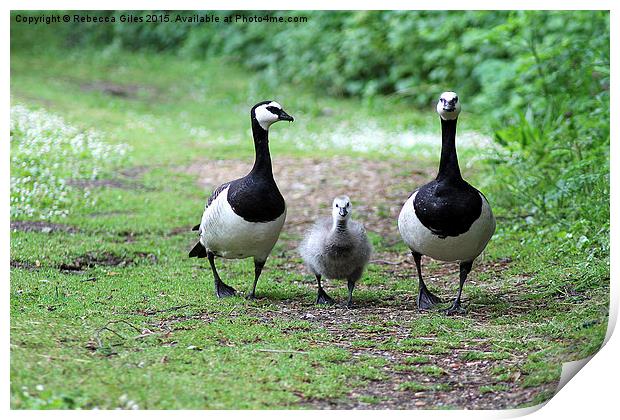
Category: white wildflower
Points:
column 46, row 152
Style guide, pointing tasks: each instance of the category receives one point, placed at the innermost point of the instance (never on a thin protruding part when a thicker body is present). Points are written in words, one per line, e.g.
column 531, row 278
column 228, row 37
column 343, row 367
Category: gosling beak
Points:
column 285, row 117
column 343, row 212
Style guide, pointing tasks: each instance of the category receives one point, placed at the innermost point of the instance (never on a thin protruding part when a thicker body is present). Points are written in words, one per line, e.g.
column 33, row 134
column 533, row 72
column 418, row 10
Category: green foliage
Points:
column 542, row 77
column 554, row 161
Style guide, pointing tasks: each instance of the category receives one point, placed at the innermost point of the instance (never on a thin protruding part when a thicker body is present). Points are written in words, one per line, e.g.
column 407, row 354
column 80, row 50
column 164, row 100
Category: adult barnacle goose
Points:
column 243, row 218
column 446, row 219
column 337, row 248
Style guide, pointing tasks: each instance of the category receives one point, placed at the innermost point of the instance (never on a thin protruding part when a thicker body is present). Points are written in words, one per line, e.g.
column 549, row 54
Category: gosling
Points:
column 336, row 248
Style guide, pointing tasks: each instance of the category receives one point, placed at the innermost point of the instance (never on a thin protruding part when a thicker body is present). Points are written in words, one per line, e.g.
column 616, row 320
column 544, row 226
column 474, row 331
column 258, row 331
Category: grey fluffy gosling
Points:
column 337, row 248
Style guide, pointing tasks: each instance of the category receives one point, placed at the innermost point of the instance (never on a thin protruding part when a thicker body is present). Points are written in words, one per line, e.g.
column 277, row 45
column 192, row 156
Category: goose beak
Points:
column 285, row 117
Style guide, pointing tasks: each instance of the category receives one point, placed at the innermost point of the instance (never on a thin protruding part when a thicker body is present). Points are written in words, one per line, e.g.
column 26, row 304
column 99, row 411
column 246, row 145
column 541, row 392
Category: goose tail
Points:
column 198, row 251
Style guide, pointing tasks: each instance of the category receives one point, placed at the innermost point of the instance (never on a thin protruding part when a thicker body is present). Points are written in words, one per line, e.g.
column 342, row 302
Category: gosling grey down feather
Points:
column 336, row 252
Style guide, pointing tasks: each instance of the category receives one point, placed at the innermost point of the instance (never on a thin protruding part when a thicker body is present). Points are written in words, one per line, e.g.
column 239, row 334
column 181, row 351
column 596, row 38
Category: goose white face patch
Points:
column 341, row 208
column 265, row 117
column 449, row 106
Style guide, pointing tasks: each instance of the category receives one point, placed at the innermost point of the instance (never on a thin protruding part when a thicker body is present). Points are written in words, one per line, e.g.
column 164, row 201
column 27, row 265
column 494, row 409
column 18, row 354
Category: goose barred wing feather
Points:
column 213, row 196
column 217, row 192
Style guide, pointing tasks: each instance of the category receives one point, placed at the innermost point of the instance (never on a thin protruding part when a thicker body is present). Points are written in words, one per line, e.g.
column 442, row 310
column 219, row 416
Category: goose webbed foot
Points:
column 323, row 298
column 222, row 290
column 251, row 296
column 426, row 300
column 456, row 309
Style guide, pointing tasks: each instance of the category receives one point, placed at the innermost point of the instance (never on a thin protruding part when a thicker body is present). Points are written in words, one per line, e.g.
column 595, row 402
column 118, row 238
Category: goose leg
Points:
column 465, row 268
column 221, row 289
column 322, row 297
column 258, row 268
column 351, row 285
column 426, row 300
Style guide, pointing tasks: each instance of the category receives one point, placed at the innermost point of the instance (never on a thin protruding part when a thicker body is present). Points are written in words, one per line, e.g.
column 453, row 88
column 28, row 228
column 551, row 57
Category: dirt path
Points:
column 378, row 190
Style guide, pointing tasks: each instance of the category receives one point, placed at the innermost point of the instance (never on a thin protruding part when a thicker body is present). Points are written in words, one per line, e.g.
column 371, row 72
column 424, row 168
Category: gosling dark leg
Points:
column 222, row 290
column 426, row 300
column 258, row 268
column 456, row 308
column 322, row 298
column 351, row 285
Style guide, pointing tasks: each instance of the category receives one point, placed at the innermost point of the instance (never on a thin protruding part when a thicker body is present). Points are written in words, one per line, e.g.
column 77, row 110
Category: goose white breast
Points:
column 228, row 235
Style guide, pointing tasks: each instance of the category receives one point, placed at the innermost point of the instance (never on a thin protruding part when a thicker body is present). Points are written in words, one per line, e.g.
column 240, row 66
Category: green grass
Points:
column 485, row 389
column 150, row 334
column 417, row 387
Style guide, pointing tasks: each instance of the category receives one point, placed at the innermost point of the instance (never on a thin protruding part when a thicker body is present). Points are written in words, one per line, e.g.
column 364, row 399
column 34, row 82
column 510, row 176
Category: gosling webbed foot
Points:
column 426, row 300
column 351, row 286
column 222, row 290
column 323, row 298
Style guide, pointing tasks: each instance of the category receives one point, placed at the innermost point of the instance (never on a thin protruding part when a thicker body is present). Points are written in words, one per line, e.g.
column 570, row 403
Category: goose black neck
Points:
column 262, row 162
column 449, row 163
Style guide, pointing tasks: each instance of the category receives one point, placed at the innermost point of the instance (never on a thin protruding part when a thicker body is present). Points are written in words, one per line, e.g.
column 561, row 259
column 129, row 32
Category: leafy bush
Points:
column 554, row 171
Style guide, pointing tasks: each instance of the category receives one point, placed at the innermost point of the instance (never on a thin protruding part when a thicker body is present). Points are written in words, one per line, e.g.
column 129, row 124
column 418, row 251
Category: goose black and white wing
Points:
column 199, row 250
column 212, row 197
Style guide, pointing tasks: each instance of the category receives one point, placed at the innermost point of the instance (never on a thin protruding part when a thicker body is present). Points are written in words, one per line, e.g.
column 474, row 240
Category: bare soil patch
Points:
column 128, row 179
column 24, row 265
column 40, row 226
column 103, row 183
column 92, row 259
column 128, row 91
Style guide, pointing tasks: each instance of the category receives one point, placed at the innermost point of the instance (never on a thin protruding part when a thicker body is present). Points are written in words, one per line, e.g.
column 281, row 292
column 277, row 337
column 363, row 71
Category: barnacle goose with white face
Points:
column 243, row 218
column 446, row 219
column 337, row 248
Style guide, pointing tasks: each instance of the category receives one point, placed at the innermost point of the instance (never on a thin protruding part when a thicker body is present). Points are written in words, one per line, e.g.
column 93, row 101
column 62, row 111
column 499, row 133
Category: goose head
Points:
column 267, row 113
column 449, row 106
column 341, row 208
